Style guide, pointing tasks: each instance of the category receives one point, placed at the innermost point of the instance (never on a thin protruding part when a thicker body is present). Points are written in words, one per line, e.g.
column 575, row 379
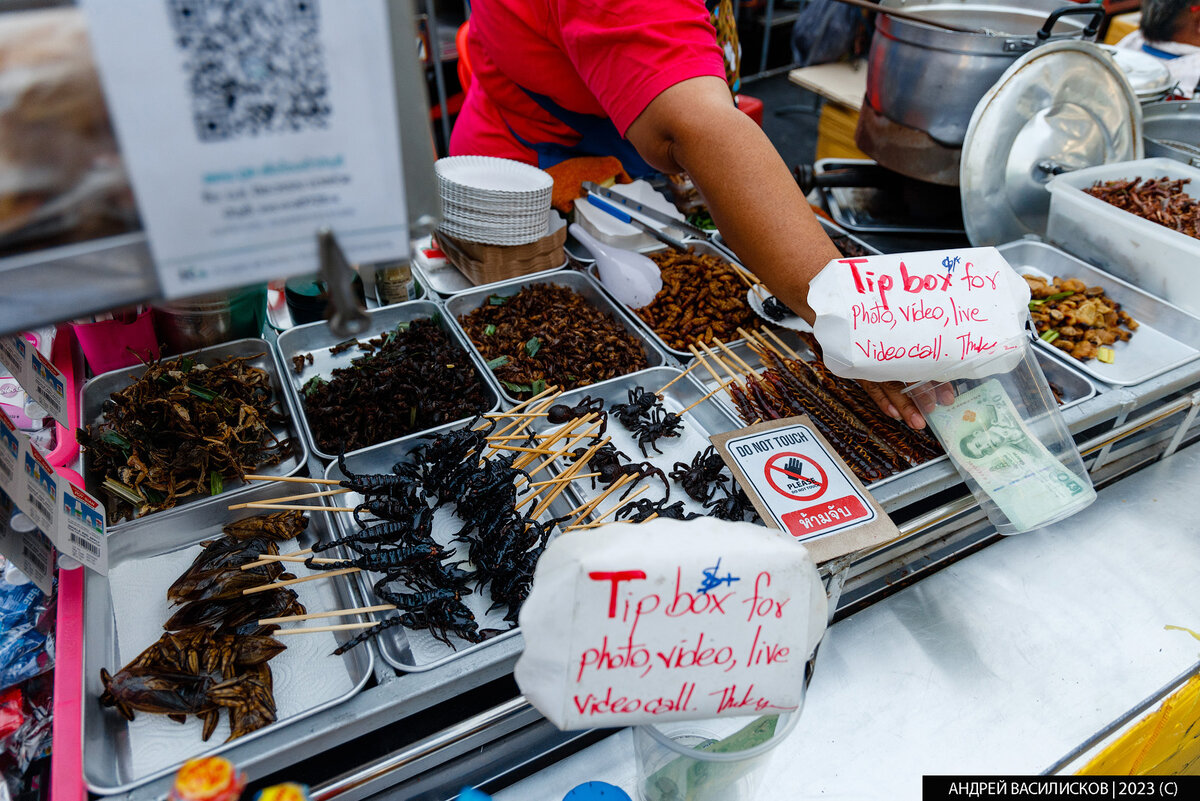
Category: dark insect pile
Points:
column 1159, row 200
column 550, row 335
column 214, row 656
column 413, row 377
column 874, row 445
column 701, row 298
column 183, row 429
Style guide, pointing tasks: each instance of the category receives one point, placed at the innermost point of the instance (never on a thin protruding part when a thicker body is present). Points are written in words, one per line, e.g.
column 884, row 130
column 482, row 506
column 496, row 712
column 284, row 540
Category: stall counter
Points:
column 1017, row 659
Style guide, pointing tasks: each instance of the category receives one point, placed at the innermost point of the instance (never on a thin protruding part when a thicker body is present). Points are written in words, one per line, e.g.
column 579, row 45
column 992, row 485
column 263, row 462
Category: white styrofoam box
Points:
column 1159, row 260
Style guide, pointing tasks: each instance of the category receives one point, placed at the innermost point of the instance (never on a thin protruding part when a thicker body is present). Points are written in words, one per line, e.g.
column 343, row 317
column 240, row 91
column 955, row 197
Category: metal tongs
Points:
column 629, row 207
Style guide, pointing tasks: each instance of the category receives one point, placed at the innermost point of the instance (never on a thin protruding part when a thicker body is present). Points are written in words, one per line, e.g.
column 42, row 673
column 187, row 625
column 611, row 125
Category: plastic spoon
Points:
column 631, row 277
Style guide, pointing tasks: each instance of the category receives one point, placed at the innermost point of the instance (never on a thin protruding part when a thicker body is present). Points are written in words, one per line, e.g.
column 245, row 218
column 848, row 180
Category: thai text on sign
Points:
column 669, row 620
column 917, row 316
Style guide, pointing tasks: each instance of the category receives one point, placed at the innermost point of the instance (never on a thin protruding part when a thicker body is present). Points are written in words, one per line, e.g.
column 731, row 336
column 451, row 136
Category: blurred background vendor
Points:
column 645, row 82
column 1170, row 30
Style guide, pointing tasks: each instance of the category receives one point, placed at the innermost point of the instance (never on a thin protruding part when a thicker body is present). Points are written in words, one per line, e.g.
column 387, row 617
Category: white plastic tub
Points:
column 1153, row 257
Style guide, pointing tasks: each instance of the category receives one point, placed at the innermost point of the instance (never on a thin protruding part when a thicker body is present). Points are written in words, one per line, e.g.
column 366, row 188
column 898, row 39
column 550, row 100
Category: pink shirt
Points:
column 553, row 79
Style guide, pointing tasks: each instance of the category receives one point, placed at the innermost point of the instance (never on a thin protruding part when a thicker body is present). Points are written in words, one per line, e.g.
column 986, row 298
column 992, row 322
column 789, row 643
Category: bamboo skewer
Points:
column 784, row 345
column 284, row 507
column 599, row 521
column 570, row 472
column 520, row 448
column 591, row 505
column 562, row 478
column 574, row 442
column 292, row 479
column 360, row 610
column 754, row 284
column 704, row 363
column 317, row 560
column 314, row 629
column 521, row 423
column 267, row 558
column 723, row 365
column 691, row 367
column 507, row 415
column 733, row 356
column 300, row 497
column 707, row 395
column 288, row 582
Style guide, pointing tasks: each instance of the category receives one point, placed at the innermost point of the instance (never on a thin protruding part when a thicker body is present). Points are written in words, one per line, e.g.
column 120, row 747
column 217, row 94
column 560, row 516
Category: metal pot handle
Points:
column 1095, row 9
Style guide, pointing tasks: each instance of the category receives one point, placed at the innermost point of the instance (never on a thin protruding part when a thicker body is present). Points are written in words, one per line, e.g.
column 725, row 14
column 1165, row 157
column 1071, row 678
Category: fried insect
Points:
column 655, row 426
column 639, row 406
column 732, row 505
column 642, row 508
column 607, row 462
column 697, row 479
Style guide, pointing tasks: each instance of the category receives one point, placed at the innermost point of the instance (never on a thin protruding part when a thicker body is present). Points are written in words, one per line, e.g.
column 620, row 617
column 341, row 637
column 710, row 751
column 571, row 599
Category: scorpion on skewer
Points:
column 441, row 617
column 607, row 462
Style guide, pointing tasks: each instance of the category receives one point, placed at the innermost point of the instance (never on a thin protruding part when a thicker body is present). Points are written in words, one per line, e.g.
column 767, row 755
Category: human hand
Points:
column 890, row 398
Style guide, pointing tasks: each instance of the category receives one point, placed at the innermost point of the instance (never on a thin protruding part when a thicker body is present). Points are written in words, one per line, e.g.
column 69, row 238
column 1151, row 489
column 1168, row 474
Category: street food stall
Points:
column 376, row 487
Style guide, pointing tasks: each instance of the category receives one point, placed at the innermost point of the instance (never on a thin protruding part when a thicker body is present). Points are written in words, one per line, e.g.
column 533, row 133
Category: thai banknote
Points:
column 988, row 440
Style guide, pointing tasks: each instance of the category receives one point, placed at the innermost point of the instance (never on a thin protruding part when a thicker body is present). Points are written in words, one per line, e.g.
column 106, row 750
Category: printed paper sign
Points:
column 246, row 127
column 917, row 316
column 10, row 455
column 13, row 350
column 36, row 375
column 29, row 550
column 669, row 620
column 39, row 497
column 800, row 485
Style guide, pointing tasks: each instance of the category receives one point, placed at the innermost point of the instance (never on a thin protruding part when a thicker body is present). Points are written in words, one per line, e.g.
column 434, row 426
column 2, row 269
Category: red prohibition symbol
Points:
column 784, row 468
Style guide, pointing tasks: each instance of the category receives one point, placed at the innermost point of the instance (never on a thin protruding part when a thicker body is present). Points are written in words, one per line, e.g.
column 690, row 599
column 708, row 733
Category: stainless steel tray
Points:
column 466, row 302
column 317, row 339
column 700, row 423
column 97, row 390
column 444, row 281
column 125, row 612
column 704, row 247
column 404, row 649
column 1166, row 336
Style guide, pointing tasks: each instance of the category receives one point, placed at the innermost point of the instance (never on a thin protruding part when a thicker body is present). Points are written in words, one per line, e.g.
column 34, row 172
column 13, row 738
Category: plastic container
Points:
column 1158, row 259
column 1004, row 434
column 207, row 320
column 112, row 344
column 307, row 296
column 719, row 759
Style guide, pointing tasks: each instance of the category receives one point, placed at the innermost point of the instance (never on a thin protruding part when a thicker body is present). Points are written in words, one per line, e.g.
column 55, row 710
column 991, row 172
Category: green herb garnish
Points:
column 215, row 483
column 489, row 330
column 533, row 346
column 499, row 361
column 1049, row 336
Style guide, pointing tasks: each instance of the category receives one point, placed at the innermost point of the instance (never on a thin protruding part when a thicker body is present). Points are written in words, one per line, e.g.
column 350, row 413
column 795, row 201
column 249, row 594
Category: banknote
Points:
column 988, row 440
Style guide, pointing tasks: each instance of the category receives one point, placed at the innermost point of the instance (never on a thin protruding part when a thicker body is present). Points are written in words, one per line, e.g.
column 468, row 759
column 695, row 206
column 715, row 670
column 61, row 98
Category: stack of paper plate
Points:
column 492, row 200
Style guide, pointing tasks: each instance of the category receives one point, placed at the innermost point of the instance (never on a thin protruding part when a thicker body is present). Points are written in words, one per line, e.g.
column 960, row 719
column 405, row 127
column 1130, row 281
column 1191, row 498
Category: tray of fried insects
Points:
column 657, row 459
column 558, row 329
column 448, row 526
column 1103, row 326
column 703, row 295
column 182, row 431
column 177, row 661
column 411, row 371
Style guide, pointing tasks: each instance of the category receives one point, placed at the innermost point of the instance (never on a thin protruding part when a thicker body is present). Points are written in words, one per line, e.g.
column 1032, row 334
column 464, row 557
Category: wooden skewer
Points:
column 562, row 478
column 507, row 415
column 689, row 369
column 784, row 345
column 707, row 395
column 736, row 359
column 757, row 337
column 293, row 479
column 599, row 521
column 288, row 582
column 283, row 507
column 570, row 472
column 360, row 610
column 651, row 517
column 314, row 629
column 704, row 362
column 573, row 443
column 520, row 448
column 267, row 558
column 300, row 497
column 721, row 362
column 521, row 423
column 591, row 505
column 548, row 390
column 317, row 560
column 578, row 465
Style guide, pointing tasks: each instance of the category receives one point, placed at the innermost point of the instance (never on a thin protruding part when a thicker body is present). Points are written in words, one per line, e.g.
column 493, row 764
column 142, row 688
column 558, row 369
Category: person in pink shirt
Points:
column 645, row 82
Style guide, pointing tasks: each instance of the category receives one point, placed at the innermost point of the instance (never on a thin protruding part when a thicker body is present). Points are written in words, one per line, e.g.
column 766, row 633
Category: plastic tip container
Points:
column 1002, row 430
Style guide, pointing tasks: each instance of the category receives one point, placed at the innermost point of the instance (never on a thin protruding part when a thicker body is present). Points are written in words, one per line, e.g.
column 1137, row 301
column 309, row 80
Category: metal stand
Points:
column 346, row 317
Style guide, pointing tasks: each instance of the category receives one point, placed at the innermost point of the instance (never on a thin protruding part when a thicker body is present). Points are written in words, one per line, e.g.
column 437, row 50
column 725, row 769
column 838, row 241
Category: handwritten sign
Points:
column 799, row 484
column 918, row 316
column 669, row 620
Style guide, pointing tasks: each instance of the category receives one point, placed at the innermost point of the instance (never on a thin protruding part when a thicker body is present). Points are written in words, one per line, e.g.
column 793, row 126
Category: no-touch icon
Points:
column 796, row 476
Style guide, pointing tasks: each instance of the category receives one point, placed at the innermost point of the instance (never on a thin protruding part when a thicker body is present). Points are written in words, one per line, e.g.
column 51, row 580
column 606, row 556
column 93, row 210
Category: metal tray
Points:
column 317, row 339
column 125, row 612
column 444, row 281
column 1159, row 345
column 97, row 390
column 870, row 210
column 701, row 246
column 405, row 649
column 700, row 423
column 466, row 302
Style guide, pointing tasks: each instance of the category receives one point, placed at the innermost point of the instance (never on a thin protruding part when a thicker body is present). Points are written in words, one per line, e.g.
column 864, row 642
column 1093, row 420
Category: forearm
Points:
column 759, row 209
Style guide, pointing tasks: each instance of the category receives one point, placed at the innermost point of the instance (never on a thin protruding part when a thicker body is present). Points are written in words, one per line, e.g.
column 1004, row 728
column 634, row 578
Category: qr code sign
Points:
column 253, row 66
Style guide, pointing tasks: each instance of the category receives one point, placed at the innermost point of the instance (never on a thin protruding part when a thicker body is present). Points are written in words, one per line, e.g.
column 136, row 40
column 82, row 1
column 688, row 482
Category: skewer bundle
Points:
column 874, row 445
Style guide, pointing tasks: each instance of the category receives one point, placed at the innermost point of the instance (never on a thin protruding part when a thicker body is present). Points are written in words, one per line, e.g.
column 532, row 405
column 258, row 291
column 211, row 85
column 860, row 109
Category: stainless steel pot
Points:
column 1172, row 129
column 930, row 79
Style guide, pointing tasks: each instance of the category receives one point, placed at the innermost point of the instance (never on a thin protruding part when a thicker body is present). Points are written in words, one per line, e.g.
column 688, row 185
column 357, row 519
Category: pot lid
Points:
column 1148, row 75
column 1060, row 107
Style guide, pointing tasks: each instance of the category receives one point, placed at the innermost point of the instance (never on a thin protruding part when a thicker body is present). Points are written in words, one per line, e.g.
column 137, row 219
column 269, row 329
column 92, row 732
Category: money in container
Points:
column 1002, row 429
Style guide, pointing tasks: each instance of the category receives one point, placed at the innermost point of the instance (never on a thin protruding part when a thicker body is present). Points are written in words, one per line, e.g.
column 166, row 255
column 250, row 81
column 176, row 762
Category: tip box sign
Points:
column 798, row 483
